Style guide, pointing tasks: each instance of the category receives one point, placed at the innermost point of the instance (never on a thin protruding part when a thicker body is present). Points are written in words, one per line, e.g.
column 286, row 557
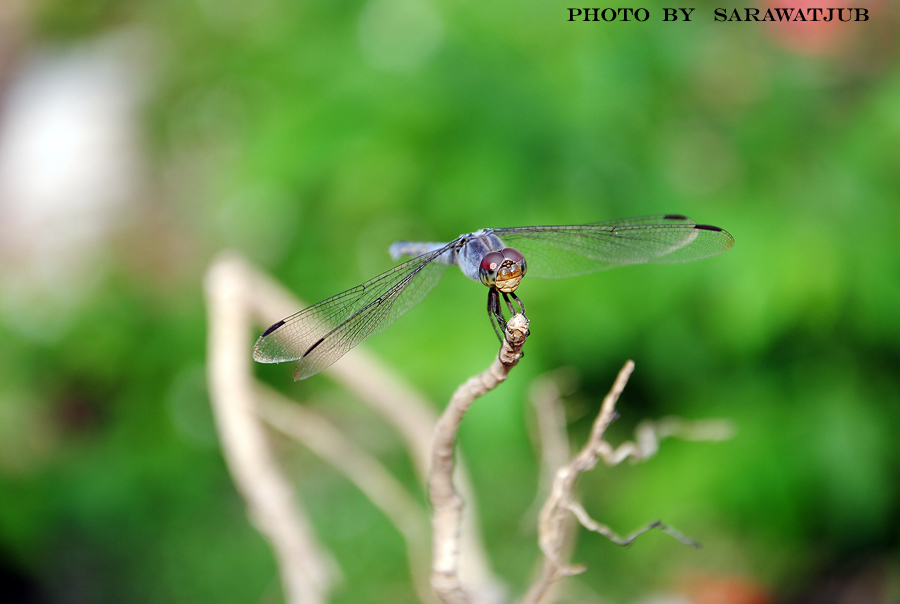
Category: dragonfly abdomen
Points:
column 412, row 248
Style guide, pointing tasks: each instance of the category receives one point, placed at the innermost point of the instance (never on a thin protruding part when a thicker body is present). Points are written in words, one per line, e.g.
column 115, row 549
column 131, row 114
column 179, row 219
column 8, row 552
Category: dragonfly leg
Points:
column 519, row 302
column 496, row 316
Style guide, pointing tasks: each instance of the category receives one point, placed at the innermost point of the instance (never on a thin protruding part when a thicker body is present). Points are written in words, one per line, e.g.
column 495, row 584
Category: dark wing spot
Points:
column 707, row 227
column 311, row 348
column 675, row 217
column 273, row 328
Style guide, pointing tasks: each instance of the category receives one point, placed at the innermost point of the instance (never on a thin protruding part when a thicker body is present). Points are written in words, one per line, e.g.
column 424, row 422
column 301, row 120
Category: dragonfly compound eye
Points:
column 514, row 255
column 511, row 271
column 490, row 264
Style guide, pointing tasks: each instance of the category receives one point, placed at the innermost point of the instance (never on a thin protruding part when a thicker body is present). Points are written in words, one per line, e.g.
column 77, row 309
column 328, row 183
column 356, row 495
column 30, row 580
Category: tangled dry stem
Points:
column 446, row 501
column 236, row 293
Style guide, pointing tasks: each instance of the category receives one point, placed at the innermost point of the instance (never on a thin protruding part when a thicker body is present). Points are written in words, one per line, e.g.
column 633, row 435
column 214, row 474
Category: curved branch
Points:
column 447, row 504
column 272, row 505
column 561, row 502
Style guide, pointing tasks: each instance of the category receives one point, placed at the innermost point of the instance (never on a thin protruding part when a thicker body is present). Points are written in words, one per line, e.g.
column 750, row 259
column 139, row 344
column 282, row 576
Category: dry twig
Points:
column 384, row 491
column 239, row 297
column 552, row 524
column 236, row 292
column 446, row 501
column 271, row 503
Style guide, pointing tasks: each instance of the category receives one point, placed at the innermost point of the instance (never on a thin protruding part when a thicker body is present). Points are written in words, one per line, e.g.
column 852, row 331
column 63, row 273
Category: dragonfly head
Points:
column 503, row 270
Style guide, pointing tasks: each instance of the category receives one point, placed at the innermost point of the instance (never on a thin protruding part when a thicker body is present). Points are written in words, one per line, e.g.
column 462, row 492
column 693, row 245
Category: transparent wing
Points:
column 321, row 334
column 554, row 252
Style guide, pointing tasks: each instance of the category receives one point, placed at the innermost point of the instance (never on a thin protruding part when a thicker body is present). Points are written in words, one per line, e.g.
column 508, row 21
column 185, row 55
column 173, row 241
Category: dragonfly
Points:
column 321, row 334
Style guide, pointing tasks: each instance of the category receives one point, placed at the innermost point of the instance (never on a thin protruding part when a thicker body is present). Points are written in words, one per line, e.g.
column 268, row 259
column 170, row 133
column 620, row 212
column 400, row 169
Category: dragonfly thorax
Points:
column 503, row 269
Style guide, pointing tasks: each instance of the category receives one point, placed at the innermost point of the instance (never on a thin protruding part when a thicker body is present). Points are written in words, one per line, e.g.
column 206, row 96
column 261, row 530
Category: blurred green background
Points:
column 140, row 138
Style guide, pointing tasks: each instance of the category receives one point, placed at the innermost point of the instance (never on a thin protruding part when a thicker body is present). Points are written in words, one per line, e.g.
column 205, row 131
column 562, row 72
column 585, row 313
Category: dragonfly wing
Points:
column 321, row 334
column 565, row 251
